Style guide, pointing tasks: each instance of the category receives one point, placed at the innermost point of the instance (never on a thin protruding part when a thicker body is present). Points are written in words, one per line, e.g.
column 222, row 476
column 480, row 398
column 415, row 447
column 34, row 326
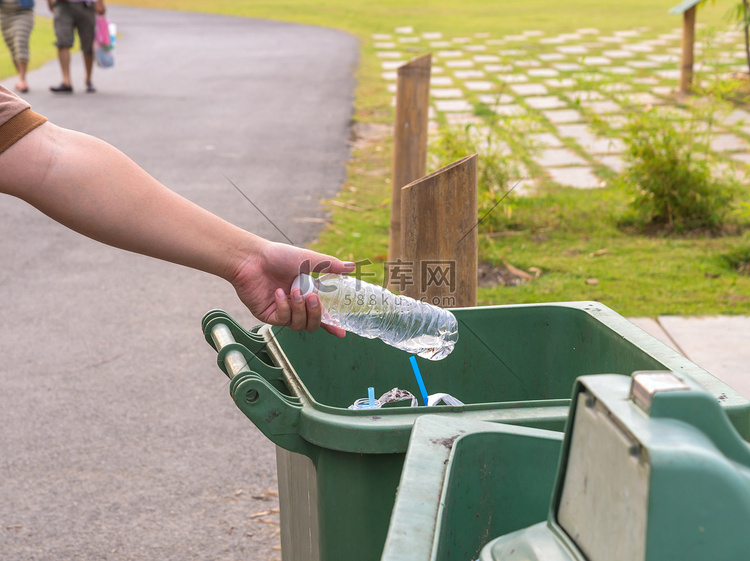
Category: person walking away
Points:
column 71, row 16
column 16, row 22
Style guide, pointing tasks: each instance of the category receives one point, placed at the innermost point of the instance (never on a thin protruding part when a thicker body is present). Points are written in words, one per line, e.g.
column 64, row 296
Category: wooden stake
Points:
column 409, row 138
column 440, row 240
column 688, row 42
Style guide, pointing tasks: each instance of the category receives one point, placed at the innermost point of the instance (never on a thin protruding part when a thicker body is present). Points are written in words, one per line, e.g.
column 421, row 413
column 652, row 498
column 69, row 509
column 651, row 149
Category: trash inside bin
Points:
column 512, row 364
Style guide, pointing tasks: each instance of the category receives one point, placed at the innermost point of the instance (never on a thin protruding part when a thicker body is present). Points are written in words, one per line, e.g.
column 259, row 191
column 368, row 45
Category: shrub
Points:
column 496, row 167
column 672, row 175
column 739, row 260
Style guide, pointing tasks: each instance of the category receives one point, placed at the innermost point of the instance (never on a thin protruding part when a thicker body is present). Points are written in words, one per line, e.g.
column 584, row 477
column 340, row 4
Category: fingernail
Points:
column 313, row 302
column 280, row 294
column 297, row 296
column 349, row 264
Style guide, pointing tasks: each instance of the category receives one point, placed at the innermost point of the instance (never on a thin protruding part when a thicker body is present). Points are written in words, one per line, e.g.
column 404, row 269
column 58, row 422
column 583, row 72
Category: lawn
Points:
column 572, row 236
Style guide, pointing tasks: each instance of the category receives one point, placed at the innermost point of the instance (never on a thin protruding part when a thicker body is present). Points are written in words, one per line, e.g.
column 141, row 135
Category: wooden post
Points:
column 688, row 43
column 439, row 213
column 409, row 138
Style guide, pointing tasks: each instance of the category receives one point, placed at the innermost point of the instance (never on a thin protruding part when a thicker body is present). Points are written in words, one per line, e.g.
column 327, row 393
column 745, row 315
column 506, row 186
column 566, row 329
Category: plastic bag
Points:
column 104, row 42
column 101, row 32
column 104, row 57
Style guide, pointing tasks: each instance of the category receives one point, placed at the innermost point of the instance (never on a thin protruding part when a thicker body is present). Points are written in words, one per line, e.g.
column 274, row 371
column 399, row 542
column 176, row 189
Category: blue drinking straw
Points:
column 371, row 398
column 418, row 376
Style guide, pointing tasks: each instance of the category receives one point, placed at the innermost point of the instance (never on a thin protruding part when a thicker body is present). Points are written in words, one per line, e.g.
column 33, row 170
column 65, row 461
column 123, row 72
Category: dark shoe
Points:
column 62, row 88
column 90, row 88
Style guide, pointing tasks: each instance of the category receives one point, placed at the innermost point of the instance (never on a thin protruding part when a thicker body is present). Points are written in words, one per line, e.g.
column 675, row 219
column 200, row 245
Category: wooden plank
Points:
column 688, row 46
column 440, row 241
column 409, row 138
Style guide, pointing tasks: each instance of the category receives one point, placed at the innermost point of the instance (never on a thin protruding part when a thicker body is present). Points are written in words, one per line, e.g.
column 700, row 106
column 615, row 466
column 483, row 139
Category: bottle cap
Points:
column 305, row 283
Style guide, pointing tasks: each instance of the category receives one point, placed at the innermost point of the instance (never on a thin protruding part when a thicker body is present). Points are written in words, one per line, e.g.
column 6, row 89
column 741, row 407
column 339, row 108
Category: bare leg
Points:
column 63, row 54
column 21, row 67
column 88, row 61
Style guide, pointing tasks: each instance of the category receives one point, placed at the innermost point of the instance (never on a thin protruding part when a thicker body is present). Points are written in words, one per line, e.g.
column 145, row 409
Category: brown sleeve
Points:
column 19, row 126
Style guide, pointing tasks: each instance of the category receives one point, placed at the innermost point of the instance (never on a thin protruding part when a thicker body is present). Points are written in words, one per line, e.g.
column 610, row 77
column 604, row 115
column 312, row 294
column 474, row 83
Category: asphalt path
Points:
column 118, row 438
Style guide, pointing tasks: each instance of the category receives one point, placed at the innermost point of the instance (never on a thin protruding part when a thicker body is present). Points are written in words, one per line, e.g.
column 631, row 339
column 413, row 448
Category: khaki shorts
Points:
column 75, row 15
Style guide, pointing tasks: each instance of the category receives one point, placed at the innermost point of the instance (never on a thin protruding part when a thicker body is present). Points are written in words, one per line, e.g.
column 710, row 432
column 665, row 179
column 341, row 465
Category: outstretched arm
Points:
column 93, row 188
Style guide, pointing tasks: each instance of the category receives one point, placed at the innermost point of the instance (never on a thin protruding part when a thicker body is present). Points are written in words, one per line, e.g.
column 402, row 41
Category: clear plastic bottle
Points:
column 372, row 311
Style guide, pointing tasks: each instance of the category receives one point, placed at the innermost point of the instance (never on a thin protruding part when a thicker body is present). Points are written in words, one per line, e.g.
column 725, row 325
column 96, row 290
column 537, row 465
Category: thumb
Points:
column 320, row 263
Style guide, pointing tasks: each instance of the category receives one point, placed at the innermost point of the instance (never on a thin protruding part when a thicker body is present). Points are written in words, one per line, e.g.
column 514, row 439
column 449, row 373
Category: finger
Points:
column 326, row 264
column 298, row 319
column 283, row 312
column 314, row 312
column 333, row 330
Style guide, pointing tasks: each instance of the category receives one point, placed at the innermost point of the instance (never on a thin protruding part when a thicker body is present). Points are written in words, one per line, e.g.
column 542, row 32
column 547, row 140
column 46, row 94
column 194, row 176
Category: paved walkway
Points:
column 565, row 98
column 119, row 439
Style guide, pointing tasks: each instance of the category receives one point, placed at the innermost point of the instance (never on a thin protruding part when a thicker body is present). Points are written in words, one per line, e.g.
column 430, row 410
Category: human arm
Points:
column 99, row 8
column 93, row 188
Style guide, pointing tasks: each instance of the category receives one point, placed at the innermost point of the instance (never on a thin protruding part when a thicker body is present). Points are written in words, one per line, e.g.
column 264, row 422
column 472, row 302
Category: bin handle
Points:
column 234, row 344
column 229, row 353
column 258, row 390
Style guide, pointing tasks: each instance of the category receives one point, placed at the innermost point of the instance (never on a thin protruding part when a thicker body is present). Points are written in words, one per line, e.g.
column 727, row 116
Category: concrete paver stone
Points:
column 551, row 56
column 509, row 110
column 573, row 131
column 446, row 92
column 596, row 61
column 555, row 157
column 468, row 74
column 453, row 105
column 603, row 106
column 546, row 139
column 728, row 142
column 513, row 78
column 498, row 67
column 613, row 162
column 563, row 116
column 542, row 72
column 479, row 85
column 579, row 177
column 529, row 89
column 573, row 49
column 544, row 102
column 491, row 99
column 463, row 63
column 719, row 344
column 441, row 81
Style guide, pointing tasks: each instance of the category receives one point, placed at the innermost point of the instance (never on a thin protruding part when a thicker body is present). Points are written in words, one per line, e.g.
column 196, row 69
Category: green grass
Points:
column 362, row 17
column 571, row 235
column 41, row 47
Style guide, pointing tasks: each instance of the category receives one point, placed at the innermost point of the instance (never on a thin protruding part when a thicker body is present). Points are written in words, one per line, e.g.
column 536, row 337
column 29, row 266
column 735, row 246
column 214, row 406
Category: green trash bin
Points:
column 465, row 482
column 339, row 468
column 650, row 470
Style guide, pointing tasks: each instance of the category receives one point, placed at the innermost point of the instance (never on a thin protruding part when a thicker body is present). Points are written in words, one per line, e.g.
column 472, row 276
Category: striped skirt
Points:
column 16, row 24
